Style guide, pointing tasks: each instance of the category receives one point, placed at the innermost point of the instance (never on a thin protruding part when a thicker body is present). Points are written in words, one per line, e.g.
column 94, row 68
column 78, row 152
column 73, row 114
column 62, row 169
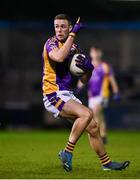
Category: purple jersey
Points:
column 56, row 76
column 99, row 81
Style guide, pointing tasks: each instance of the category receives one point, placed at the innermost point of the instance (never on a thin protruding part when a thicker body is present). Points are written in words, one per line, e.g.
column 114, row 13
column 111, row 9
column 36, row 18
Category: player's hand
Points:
column 84, row 63
column 76, row 28
column 116, row 97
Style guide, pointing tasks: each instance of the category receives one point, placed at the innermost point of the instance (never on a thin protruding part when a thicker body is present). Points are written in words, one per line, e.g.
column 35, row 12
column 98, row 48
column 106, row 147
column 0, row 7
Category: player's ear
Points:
column 70, row 28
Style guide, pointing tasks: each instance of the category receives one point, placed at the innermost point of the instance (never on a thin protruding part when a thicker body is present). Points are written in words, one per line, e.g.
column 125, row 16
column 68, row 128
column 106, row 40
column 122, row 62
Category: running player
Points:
column 99, row 88
column 58, row 95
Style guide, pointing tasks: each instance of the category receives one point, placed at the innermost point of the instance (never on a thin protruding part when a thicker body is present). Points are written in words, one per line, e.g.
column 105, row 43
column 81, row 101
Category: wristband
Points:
column 72, row 34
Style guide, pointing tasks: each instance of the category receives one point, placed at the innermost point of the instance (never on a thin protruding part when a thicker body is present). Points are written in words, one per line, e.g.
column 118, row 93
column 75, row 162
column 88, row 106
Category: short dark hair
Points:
column 63, row 16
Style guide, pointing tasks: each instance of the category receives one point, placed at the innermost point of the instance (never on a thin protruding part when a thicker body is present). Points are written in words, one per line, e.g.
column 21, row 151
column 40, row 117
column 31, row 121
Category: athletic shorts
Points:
column 97, row 100
column 55, row 101
column 94, row 101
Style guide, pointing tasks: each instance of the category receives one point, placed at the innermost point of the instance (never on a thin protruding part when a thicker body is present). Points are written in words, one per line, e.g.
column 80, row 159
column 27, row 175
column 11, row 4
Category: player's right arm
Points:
column 59, row 54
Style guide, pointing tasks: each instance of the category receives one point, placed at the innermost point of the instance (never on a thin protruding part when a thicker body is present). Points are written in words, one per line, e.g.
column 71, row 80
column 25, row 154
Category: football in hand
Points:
column 73, row 68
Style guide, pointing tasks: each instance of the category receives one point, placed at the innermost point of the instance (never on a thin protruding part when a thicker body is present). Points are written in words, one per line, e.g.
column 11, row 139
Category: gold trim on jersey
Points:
column 58, row 103
column 49, row 77
column 105, row 87
column 106, row 81
column 49, row 69
column 49, row 74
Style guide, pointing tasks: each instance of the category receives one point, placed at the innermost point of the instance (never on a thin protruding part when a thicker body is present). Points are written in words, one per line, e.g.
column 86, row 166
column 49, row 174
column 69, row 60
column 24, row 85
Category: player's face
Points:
column 95, row 56
column 62, row 29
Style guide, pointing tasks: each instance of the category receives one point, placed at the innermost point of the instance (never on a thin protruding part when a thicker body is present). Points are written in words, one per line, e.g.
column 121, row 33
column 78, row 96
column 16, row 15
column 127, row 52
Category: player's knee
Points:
column 93, row 128
column 88, row 116
column 96, row 129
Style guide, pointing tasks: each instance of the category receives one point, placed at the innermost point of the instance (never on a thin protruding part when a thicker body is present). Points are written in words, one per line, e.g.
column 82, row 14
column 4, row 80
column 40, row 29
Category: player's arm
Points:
column 80, row 85
column 59, row 54
column 114, row 85
column 85, row 77
column 82, row 81
column 115, row 88
column 112, row 79
column 84, row 63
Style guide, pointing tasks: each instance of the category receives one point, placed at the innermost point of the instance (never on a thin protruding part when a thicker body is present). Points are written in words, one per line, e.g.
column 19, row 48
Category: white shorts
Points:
column 55, row 101
column 98, row 100
column 94, row 101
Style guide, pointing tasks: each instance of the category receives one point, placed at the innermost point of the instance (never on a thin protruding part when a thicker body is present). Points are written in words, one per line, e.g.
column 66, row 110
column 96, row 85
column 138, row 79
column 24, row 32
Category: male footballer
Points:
column 58, row 95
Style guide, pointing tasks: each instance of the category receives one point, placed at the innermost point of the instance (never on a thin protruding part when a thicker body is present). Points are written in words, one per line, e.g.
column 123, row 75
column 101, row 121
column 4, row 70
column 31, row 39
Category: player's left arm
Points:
column 82, row 81
column 85, row 77
column 108, row 72
column 115, row 88
column 113, row 82
column 80, row 86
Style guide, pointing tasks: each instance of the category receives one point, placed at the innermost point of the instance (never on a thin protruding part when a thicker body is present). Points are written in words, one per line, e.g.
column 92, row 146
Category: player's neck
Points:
column 62, row 40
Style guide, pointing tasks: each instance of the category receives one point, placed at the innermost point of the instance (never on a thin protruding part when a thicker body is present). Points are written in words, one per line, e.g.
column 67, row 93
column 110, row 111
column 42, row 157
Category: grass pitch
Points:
column 34, row 154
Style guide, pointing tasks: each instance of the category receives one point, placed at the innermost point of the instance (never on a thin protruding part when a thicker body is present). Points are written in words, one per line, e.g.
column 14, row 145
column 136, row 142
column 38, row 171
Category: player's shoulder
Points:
column 51, row 40
column 106, row 66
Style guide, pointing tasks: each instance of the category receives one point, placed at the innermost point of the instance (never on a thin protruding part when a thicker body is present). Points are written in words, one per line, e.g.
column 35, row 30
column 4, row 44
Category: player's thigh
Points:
column 72, row 109
column 97, row 109
column 97, row 114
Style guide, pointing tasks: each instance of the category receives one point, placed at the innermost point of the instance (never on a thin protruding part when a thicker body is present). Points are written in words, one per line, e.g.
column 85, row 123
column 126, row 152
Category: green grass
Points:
column 34, row 155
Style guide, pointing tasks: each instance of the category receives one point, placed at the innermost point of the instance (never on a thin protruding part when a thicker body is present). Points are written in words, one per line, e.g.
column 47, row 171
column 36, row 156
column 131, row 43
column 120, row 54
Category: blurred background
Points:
column 114, row 26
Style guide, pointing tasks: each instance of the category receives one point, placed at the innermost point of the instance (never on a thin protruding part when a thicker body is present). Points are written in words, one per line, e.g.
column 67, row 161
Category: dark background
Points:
column 24, row 28
column 95, row 10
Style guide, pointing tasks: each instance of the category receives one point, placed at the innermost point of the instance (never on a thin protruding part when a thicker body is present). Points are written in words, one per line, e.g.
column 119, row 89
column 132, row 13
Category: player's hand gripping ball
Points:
column 74, row 69
column 80, row 64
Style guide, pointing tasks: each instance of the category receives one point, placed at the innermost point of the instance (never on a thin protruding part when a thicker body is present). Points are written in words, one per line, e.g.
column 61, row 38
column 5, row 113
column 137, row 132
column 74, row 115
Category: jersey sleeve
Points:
column 51, row 44
column 108, row 70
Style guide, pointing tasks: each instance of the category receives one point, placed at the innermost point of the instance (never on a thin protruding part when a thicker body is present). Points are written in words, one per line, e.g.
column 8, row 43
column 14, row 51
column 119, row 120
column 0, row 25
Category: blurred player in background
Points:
column 58, row 95
column 99, row 88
